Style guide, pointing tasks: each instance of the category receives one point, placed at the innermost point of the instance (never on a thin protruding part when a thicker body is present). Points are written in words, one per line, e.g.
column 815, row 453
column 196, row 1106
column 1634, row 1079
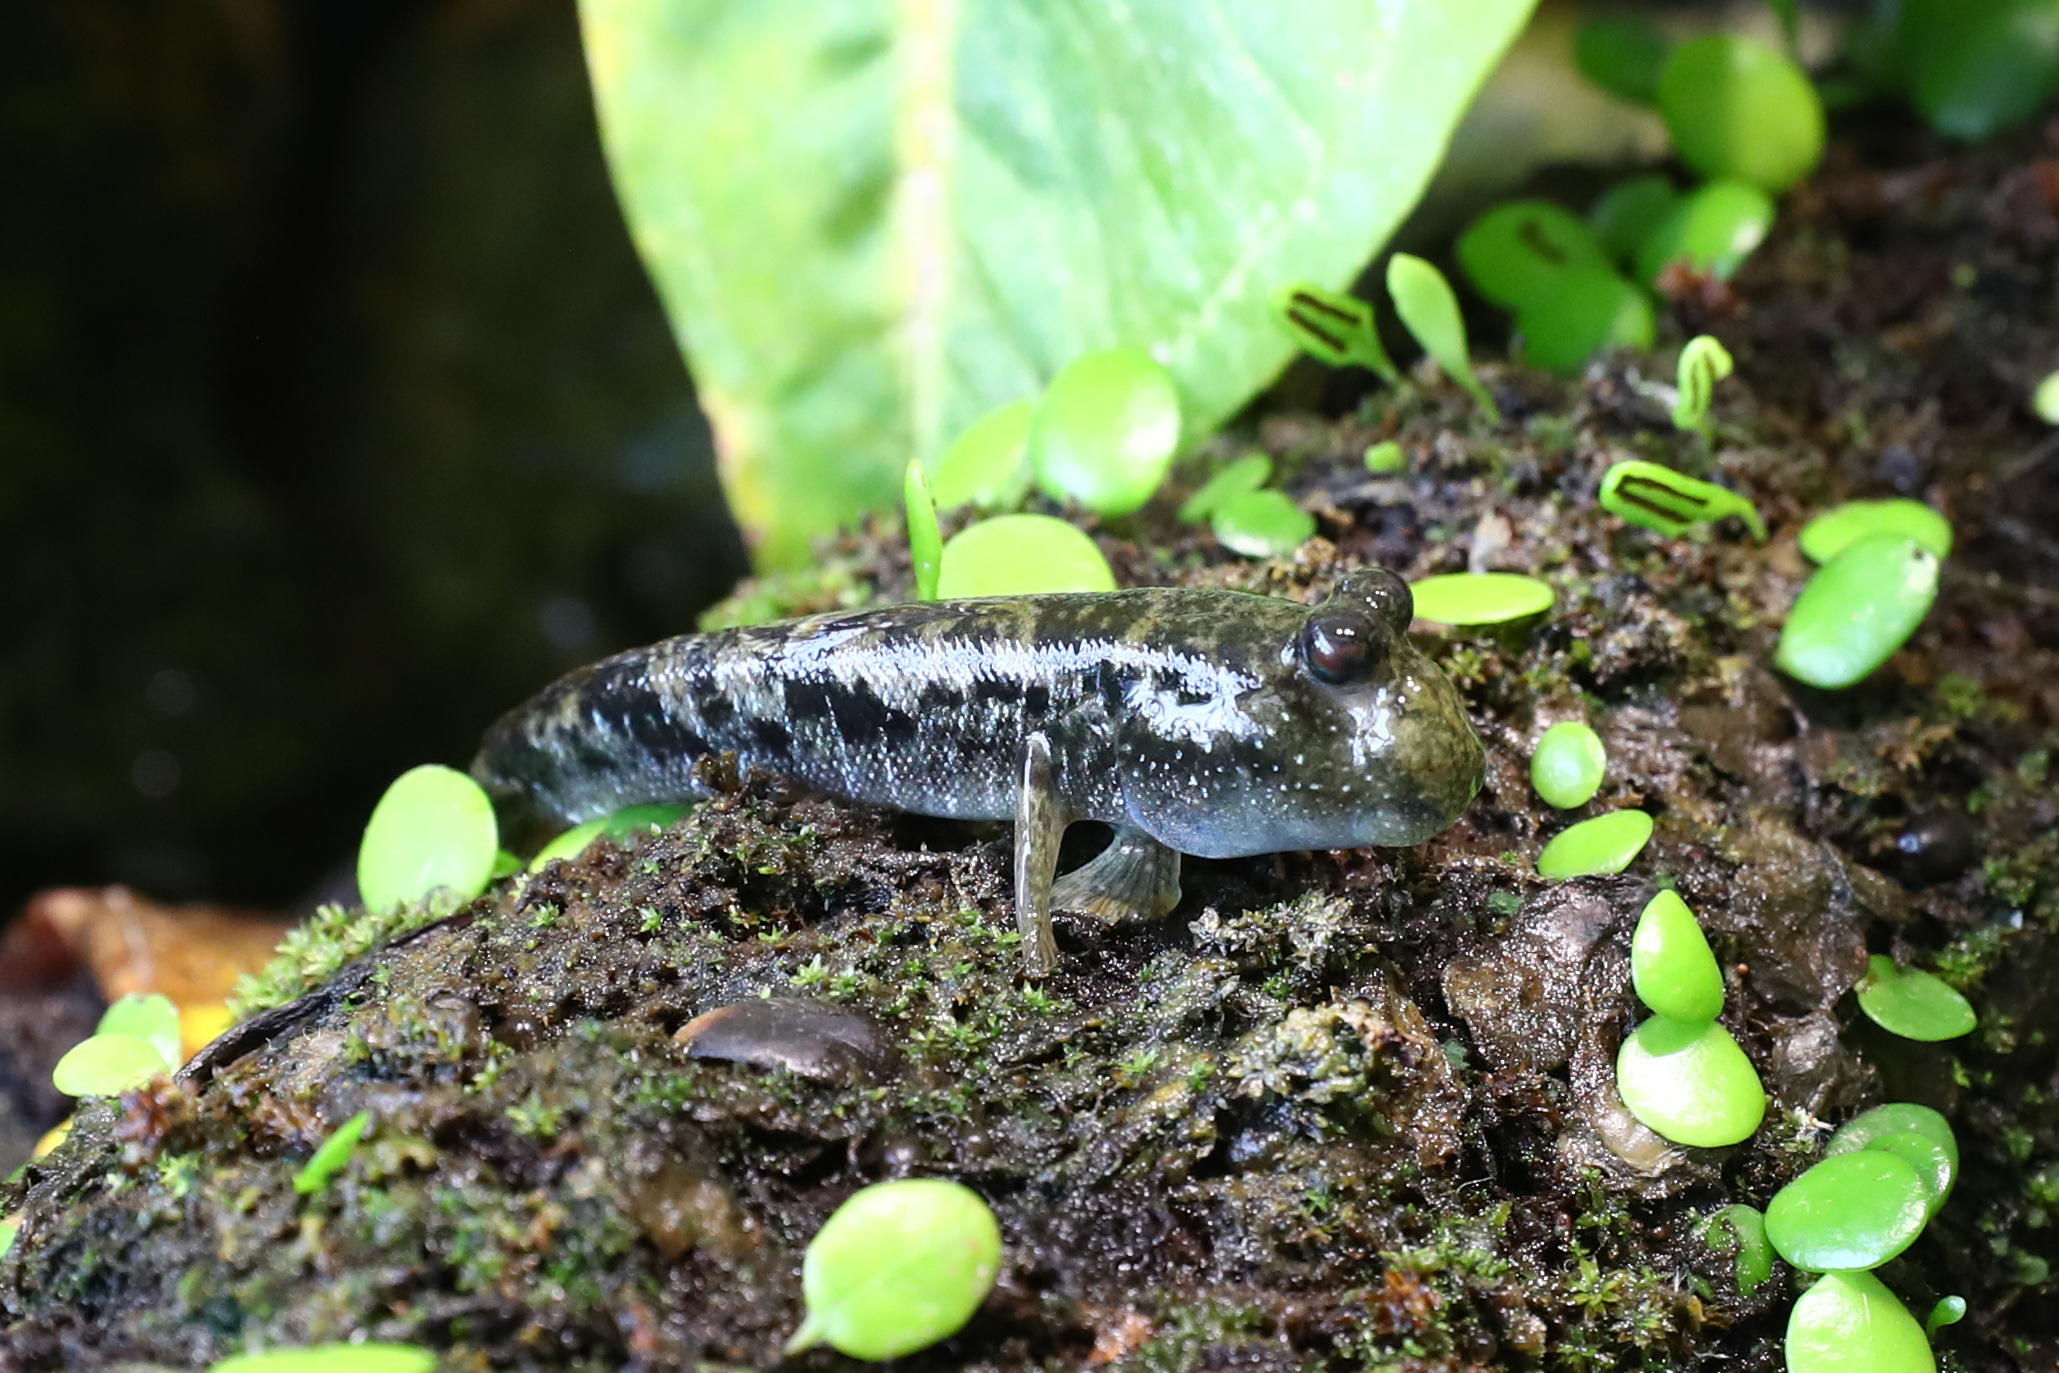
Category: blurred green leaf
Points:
column 872, row 223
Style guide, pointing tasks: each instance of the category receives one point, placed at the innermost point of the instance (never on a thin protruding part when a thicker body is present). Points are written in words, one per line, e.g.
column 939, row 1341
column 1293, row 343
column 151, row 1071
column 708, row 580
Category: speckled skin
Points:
column 1186, row 716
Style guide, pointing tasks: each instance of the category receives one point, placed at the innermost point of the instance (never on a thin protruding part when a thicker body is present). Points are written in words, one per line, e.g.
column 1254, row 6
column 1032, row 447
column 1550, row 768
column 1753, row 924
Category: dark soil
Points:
column 1341, row 1110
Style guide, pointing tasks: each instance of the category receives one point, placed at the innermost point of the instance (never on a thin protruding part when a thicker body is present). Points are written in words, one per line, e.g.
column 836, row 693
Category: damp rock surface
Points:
column 1339, row 1110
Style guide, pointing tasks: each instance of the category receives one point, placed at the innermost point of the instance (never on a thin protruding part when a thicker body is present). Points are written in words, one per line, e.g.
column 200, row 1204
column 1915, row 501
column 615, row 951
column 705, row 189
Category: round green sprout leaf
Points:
column 1247, row 473
column 1385, row 458
column 2044, row 402
column 1480, row 598
column 432, row 829
column 1850, row 1211
column 1666, row 502
column 1604, row 844
column 1713, row 230
column 1912, row 1003
column 988, row 464
column 328, row 1160
column 1867, row 1128
column 505, row 864
column 1934, row 1167
column 925, row 538
column 1622, row 56
column 1838, row 528
column 1992, row 67
column 1105, row 433
column 1586, row 310
column 1851, row 1323
column 1423, row 299
column 624, row 825
column 1690, row 1083
column 1739, row 110
column 1629, row 212
column 1333, row 328
column 152, row 1018
column 1857, row 610
column 568, row 845
column 898, row 1267
column 1948, row 1311
column 1016, row 555
column 368, row 1356
column 108, row 1065
column 1671, row 963
column 1262, row 524
column 1516, row 252
column 1743, row 1229
column 1568, row 765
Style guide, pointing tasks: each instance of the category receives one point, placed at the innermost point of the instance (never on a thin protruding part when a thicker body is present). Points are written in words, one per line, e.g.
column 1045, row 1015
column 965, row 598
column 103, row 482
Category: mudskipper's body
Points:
column 1214, row 723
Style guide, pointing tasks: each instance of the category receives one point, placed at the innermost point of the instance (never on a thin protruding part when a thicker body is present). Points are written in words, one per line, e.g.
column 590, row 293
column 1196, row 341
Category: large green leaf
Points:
column 871, row 222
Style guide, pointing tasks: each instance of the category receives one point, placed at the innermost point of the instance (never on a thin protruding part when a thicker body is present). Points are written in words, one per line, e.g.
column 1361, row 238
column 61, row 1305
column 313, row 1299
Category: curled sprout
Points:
column 1334, row 328
column 925, row 537
column 1424, row 300
column 1703, row 363
column 1666, row 502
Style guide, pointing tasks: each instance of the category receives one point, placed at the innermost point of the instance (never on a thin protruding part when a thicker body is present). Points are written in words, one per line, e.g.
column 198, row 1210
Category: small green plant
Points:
column 1568, row 764
column 330, row 1157
column 150, row 1017
column 1014, row 555
column 367, row 1356
column 1948, row 1311
column 1912, row 1003
column 1857, row 610
column 1851, row 1323
column 1851, row 1211
column 1480, row 598
column 1629, row 212
column 1741, row 1230
column 1703, row 363
column 137, row 1039
column 621, row 826
column 1607, row 843
column 1739, row 110
column 1665, row 502
column 1625, row 57
column 2044, row 401
column 1247, row 473
column 1261, row 524
column 1671, row 964
column 925, row 539
column 1711, row 231
column 1832, row 532
column 433, row 829
column 1423, row 299
column 1334, row 328
column 10, row 1228
column 898, row 1267
column 1385, row 458
column 988, row 465
column 1970, row 67
column 1106, row 431
column 1587, row 311
column 1516, row 252
column 1690, row 1082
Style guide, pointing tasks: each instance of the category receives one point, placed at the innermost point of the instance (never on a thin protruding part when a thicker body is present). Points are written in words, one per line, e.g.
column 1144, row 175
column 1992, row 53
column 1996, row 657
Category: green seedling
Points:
column 1335, row 328
column 1948, row 1311
column 1628, row 213
column 432, row 831
column 108, row 1065
column 925, row 538
column 328, row 1160
column 1912, row 1003
column 1867, row 1128
column 1587, row 311
column 1017, row 555
column 1739, row 110
column 1971, row 69
column 1928, row 1159
column 1568, row 765
column 1605, row 844
column 1690, row 1083
column 1516, row 252
column 150, row 1017
column 2044, row 401
column 1261, row 524
column 1838, row 528
column 1703, row 363
column 1851, row 1211
column 988, row 465
column 1710, row 231
column 1851, row 1323
column 366, row 1356
column 1480, row 598
column 1106, row 431
column 1671, row 964
column 1385, row 458
column 1742, row 1229
column 1423, row 299
column 1665, row 502
column 622, row 826
column 9, row 1229
column 898, row 1267
column 1624, row 57
column 1247, row 473
column 505, row 864
column 1857, row 610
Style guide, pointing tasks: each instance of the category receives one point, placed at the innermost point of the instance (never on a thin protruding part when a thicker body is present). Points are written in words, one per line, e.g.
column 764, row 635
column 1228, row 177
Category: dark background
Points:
column 336, row 416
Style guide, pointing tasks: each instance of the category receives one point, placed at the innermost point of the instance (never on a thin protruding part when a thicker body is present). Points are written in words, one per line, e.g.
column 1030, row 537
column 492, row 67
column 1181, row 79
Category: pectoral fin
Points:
column 1039, row 825
column 1135, row 877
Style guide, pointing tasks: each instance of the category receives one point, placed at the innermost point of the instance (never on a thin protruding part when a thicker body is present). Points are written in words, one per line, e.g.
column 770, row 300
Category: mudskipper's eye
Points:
column 1340, row 647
